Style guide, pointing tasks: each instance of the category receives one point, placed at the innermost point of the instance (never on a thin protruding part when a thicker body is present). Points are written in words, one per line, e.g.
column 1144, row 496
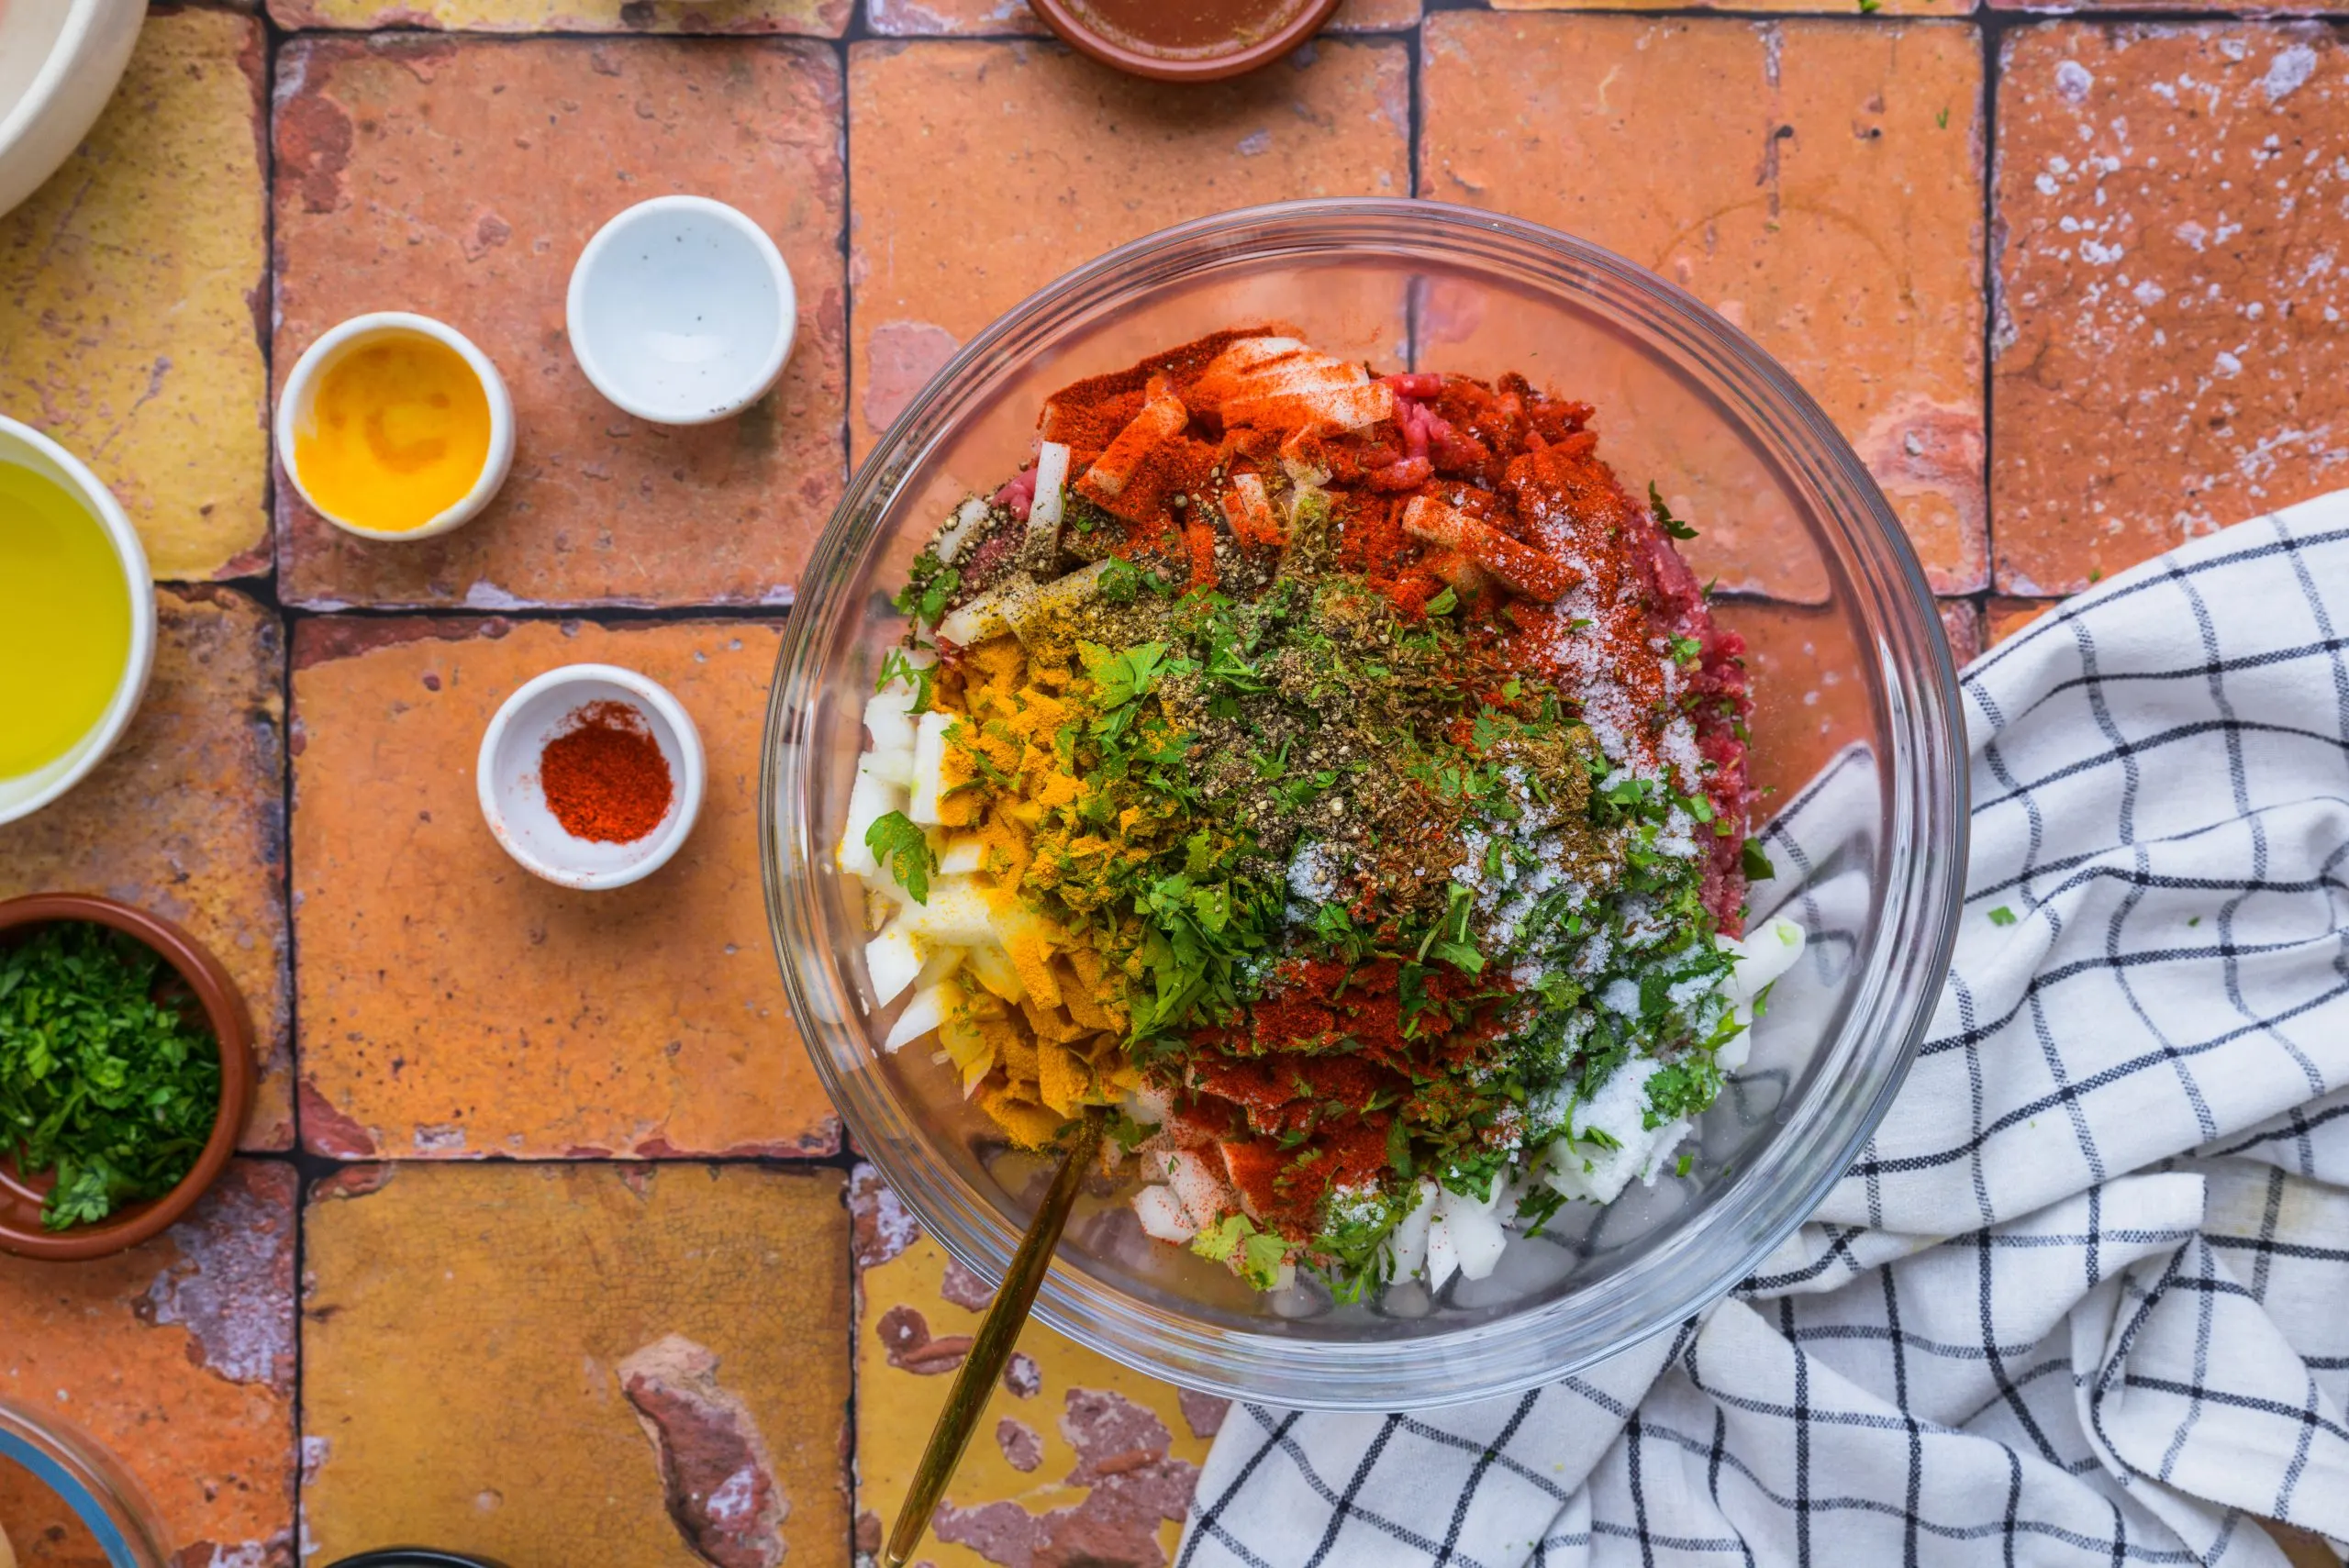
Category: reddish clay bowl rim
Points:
column 1081, row 35
column 232, row 1026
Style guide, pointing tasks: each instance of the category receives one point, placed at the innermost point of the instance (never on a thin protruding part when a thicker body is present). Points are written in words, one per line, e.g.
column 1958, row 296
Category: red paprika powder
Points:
column 604, row 776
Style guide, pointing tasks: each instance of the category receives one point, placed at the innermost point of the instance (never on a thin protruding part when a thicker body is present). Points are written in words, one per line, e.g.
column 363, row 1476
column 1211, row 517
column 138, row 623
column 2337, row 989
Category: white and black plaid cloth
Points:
column 2085, row 1297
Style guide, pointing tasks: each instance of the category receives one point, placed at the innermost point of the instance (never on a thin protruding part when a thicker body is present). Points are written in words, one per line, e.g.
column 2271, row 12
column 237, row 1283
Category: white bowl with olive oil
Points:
column 77, row 620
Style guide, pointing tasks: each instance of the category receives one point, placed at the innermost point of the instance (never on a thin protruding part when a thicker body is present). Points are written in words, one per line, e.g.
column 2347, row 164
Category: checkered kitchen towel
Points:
column 2085, row 1297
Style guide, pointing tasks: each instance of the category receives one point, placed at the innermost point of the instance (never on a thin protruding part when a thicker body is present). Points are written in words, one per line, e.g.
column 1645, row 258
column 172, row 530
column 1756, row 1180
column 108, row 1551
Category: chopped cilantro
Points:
column 903, row 849
column 1256, row 1256
column 1681, row 1088
column 1538, row 1206
column 1673, row 527
column 1444, row 604
column 922, row 678
column 2002, row 916
column 1123, row 582
column 1126, row 1132
column 1120, row 678
column 929, row 585
column 114, row 1091
column 1754, row 863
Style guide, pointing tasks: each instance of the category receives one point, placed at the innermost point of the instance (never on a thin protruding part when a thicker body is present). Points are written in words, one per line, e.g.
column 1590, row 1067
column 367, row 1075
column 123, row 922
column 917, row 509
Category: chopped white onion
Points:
column 1200, row 1186
column 1472, row 1231
column 929, row 761
column 869, row 799
column 962, row 857
column 1161, row 1216
column 1406, row 1244
column 956, row 914
column 889, row 719
column 1443, row 1258
column 1042, row 548
column 1600, row 1171
column 993, row 965
column 1762, row 957
column 893, row 959
column 894, row 767
column 923, row 1014
column 969, row 517
column 1050, row 605
column 1766, row 953
column 977, row 620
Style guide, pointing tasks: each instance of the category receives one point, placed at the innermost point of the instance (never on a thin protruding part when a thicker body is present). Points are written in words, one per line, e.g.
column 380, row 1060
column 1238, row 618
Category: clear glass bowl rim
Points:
column 1887, row 1008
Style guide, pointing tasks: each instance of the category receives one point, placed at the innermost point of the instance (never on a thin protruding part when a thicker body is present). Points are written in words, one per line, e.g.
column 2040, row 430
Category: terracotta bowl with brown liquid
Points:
column 1185, row 40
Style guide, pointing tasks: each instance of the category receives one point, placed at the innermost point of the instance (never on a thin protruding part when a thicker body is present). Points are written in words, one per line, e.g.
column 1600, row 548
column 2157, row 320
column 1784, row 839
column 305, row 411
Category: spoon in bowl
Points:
column 991, row 1347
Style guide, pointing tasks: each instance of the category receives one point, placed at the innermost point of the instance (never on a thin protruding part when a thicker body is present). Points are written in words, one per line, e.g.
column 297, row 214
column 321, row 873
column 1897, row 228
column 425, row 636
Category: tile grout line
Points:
column 851, row 1482
column 1991, row 31
column 265, row 330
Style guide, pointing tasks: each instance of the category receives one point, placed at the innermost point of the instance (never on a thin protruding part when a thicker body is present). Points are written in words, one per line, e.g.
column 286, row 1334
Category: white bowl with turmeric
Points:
column 394, row 426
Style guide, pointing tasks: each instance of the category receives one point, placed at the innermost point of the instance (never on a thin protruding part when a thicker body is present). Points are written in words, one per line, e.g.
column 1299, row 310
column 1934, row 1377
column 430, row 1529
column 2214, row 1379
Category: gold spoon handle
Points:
column 1007, row 1315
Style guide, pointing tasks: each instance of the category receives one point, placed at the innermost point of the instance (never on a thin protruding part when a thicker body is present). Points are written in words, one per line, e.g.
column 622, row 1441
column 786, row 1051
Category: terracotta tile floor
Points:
column 2073, row 288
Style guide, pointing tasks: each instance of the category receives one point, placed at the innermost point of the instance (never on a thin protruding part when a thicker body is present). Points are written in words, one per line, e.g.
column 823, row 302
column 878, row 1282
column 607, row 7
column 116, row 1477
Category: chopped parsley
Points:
column 101, row 1082
column 1257, row 1254
column 903, row 850
column 929, row 587
column 1673, row 527
column 922, row 678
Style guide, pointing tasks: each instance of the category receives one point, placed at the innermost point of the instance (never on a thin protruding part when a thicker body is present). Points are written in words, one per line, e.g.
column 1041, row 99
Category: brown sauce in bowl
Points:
column 1187, row 30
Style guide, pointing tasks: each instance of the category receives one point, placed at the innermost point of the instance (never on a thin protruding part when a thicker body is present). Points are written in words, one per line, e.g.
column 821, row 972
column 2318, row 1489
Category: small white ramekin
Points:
column 514, row 803
column 681, row 311
column 27, row 792
column 297, row 405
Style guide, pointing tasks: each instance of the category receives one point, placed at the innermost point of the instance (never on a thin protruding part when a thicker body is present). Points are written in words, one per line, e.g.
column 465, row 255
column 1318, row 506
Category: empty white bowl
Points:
column 681, row 311
column 297, row 413
column 514, row 805
column 27, row 792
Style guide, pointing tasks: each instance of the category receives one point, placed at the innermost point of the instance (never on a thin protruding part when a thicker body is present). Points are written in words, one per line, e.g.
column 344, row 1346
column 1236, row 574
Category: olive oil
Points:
column 65, row 620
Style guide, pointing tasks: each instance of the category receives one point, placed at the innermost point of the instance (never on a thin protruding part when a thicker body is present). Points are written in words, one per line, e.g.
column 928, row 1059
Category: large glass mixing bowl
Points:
column 1856, row 732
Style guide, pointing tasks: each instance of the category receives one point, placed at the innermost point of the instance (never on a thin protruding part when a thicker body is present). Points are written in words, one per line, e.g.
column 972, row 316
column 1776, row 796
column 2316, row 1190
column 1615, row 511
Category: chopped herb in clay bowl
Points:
column 1426, row 729
column 126, row 1073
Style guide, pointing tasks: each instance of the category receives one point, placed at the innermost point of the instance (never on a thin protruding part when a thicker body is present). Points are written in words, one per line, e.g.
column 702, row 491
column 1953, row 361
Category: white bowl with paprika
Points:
column 591, row 776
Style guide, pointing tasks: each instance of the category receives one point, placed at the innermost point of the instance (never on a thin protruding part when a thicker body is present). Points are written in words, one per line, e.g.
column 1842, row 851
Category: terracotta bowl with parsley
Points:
column 126, row 1073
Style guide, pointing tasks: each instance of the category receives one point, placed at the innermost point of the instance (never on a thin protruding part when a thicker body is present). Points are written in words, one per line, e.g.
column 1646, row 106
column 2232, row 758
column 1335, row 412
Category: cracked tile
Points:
column 178, row 1357
column 1077, row 1459
column 578, row 1363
